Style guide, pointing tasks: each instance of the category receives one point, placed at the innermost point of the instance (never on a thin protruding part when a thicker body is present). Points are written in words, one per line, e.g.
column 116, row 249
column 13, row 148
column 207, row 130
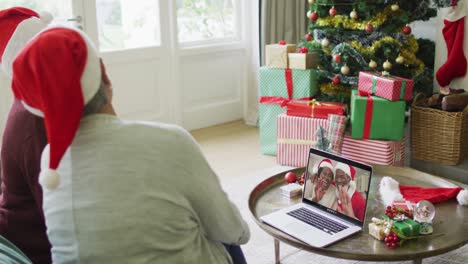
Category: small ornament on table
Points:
column 400, row 59
column 372, row 64
column 325, row 42
column 308, row 37
column 345, row 70
column 369, row 28
column 293, row 187
column 332, row 11
column 406, row 30
column 424, row 212
column 337, row 58
column 336, row 80
column 387, row 65
column 353, row 14
column 282, row 42
column 290, row 177
column 395, row 7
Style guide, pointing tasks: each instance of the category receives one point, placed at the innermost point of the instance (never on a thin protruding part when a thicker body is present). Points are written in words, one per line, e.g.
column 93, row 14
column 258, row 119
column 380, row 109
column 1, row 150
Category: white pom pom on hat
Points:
column 46, row 17
column 462, row 197
column 58, row 58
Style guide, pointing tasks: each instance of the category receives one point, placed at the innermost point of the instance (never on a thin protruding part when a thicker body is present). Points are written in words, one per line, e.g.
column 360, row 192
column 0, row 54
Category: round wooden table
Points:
column 450, row 223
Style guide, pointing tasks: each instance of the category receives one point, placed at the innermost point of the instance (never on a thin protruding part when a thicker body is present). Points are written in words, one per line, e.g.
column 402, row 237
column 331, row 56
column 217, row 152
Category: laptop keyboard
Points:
column 316, row 220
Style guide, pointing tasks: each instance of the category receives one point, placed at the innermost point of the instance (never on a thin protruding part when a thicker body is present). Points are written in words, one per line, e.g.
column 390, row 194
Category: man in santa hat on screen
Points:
column 118, row 191
column 350, row 200
column 24, row 138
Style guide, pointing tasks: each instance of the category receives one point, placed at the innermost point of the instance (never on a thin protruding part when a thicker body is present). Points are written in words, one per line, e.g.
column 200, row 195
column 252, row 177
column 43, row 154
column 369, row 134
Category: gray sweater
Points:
column 138, row 192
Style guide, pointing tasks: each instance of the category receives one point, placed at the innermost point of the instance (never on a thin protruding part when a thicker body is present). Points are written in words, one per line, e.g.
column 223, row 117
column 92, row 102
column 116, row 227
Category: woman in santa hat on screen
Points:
column 350, row 200
column 319, row 188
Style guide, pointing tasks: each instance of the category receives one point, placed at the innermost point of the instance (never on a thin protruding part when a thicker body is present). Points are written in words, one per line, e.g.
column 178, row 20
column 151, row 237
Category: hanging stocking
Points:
column 453, row 32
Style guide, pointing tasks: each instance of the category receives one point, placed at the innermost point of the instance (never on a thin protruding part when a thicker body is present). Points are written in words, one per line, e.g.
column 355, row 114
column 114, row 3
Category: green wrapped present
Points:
column 276, row 88
column 373, row 117
column 408, row 227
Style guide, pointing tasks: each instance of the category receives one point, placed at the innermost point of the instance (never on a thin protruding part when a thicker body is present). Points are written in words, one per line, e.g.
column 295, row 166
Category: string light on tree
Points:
column 400, row 59
column 332, row 11
column 395, row 7
column 372, row 64
column 325, row 42
column 337, row 58
column 353, row 14
column 387, row 65
column 406, row 30
column 345, row 70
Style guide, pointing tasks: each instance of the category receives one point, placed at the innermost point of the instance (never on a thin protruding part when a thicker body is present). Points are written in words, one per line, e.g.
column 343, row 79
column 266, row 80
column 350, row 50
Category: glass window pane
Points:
column 126, row 24
column 199, row 20
column 58, row 8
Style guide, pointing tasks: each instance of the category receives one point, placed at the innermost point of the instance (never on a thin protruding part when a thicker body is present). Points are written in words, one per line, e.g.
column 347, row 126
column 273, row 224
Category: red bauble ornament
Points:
column 282, row 42
column 314, row 16
column 369, row 28
column 336, row 80
column 332, row 11
column 308, row 37
column 303, row 50
column 406, row 30
column 337, row 58
column 290, row 177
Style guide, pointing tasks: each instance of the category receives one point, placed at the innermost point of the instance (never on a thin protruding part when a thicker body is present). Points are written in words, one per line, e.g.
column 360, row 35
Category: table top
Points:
column 450, row 223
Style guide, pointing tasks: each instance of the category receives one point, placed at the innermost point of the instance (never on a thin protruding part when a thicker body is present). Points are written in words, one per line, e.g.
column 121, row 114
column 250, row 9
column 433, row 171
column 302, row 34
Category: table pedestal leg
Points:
column 277, row 251
column 417, row 261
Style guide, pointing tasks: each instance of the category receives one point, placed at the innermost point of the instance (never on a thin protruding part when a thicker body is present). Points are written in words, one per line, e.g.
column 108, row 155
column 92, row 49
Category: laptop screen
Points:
column 339, row 185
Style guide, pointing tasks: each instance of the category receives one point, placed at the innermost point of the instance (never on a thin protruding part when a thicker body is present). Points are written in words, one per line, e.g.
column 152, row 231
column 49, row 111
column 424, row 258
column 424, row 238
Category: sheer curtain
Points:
column 278, row 20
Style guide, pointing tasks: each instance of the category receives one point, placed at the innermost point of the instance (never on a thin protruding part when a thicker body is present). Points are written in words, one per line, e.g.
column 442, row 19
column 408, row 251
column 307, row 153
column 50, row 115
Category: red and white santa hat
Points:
column 18, row 25
column 55, row 76
column 348, row 169
column 325, row 163
column 391, row 190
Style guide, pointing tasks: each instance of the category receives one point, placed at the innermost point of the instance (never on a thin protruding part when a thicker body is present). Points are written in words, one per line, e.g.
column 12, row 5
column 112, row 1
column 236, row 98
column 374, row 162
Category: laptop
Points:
column 324, row 215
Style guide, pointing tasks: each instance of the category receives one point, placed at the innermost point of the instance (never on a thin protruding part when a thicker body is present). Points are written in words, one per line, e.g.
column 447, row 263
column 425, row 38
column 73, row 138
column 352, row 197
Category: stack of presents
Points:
column 370, row 130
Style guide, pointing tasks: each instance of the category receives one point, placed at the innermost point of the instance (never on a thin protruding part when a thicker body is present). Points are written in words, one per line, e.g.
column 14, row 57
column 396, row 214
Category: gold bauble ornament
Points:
column 372, row 64
column 353, row 14
column 395, row 7
column 345, row 69
column 387, row 65
column 325, row 42
column 311, row 1
column 400, row 59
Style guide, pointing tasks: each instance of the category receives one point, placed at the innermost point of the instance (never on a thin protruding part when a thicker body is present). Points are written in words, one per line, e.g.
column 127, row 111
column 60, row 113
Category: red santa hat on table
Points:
column 391, row 191
column 18, row 25
column 325, row 163
column 56, row 75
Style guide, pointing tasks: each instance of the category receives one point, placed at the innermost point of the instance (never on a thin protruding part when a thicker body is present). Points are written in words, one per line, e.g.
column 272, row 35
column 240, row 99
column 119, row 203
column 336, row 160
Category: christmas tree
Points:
column 368, row 35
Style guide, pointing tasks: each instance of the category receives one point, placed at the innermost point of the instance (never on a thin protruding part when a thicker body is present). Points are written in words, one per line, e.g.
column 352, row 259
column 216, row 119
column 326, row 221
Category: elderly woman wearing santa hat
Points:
column 350, row 200
column 319, row 187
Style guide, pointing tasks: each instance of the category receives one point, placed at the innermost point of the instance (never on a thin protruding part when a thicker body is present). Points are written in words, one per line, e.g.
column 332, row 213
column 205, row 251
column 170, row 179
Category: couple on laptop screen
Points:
column 333, row 184
column 333, row 203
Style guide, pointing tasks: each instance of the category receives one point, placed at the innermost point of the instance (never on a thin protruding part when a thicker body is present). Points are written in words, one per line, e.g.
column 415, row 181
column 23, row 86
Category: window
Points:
column 201, row 20
column 126, row 24
column 58, row 8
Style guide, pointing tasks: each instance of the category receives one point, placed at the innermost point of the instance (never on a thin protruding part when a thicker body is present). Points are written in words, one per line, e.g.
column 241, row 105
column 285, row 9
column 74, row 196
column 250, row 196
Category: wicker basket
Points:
column 438, row 136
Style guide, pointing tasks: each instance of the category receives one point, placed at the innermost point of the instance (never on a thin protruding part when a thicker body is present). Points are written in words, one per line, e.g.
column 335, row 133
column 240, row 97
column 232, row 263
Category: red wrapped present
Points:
column 314, row 108
column 374, row 151
column 295, row 136
column 389, row 87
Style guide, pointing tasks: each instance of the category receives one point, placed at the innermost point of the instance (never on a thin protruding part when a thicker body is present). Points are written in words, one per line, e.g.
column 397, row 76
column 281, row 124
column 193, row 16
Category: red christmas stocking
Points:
column 453, row 32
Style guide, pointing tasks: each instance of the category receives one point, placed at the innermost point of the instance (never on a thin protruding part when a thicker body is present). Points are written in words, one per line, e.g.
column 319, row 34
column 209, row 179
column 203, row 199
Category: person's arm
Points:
column 219, row 217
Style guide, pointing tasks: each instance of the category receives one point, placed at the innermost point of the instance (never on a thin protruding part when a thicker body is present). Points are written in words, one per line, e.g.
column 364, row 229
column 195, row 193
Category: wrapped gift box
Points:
column 303, row 61
column 389, row 87
column 315, row 109
column 276, row 55
column 409, row 227
column 381, row 152
column 296, row 135
column 373, row 117
column 276, row 88
column 377, row 231
column 404, row 204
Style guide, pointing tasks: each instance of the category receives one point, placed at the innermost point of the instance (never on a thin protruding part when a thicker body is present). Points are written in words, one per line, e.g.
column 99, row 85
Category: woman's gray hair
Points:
column 97, row 102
